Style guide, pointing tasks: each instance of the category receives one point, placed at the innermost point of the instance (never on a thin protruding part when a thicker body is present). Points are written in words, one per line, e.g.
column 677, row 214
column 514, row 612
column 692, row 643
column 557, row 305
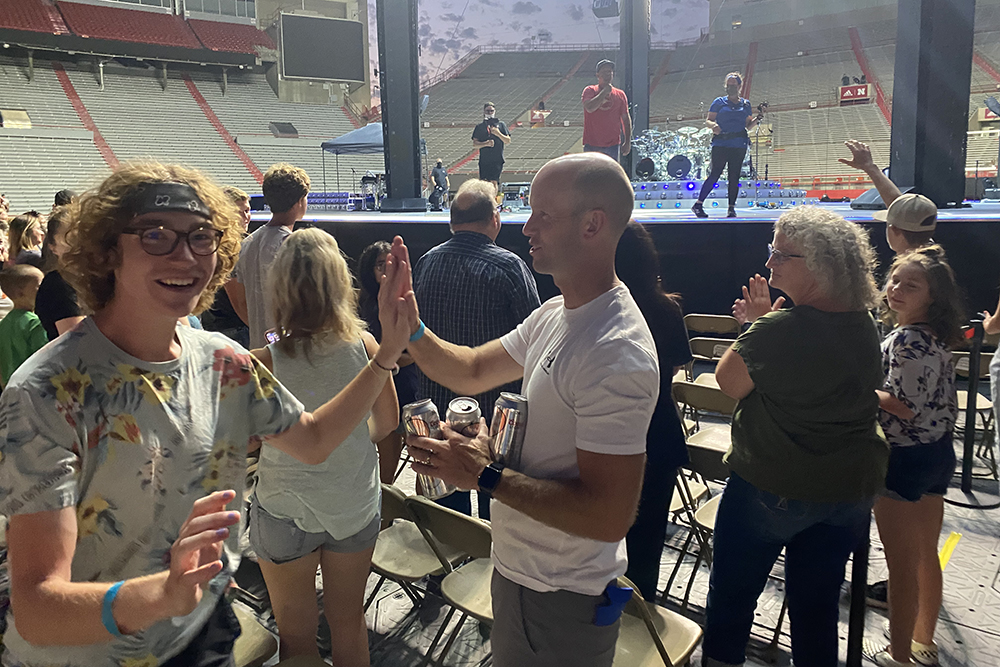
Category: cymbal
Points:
column 704, row 132
column 688, row 130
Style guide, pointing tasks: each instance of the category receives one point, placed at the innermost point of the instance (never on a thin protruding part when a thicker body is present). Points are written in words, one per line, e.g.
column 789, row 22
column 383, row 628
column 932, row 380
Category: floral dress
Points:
column 131, row 445
column 920, row 372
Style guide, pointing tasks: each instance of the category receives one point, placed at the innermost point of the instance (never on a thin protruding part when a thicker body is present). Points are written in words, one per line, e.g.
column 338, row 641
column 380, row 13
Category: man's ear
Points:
column 594, row 221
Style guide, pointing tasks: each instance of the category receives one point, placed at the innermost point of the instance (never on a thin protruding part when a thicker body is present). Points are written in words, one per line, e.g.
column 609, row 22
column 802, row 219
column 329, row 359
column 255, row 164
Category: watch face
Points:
column 490, row 477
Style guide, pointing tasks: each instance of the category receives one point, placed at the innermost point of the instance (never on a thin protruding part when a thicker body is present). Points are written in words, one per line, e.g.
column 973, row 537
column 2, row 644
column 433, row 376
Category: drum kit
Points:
column 673, row 154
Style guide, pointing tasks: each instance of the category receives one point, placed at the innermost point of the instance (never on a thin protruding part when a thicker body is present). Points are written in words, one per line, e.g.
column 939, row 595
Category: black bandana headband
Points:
column 166, row 196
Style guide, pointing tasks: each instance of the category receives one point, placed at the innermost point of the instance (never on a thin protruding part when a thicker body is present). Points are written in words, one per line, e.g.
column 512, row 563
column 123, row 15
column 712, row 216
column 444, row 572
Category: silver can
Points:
column 421, row 418
column 510, row 419
column 463, row 414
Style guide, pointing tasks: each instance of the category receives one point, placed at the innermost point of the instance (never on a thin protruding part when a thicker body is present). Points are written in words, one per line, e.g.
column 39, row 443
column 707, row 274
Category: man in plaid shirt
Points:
column 472, row 291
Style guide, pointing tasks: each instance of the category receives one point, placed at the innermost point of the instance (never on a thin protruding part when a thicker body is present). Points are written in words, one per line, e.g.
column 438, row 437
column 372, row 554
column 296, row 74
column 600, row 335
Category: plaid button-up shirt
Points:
column 470, row 292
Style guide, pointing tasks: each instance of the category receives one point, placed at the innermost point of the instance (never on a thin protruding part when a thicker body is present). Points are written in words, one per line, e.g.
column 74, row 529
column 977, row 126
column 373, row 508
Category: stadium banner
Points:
column 855, row 93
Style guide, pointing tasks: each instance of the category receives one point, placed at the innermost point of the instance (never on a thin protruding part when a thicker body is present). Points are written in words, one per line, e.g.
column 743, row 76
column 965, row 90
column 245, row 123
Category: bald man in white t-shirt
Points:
column 591, row 377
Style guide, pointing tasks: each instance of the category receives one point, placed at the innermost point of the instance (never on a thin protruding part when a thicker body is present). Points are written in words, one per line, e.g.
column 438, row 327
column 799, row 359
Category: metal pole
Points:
column 859, row 582
column 324, row 170
column 970, row 407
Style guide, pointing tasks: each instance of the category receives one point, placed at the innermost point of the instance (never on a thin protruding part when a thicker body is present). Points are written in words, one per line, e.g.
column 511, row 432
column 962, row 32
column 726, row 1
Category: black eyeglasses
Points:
column 781, row 257
column 158, row 241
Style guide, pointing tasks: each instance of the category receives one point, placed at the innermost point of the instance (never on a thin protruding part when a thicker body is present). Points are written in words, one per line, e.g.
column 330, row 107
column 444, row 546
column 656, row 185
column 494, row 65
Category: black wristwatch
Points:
column 489, row 478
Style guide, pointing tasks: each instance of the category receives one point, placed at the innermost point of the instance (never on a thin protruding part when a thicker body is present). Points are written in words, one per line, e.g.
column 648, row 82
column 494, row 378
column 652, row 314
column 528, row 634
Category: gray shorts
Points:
column 532, row 629
column 281, row 541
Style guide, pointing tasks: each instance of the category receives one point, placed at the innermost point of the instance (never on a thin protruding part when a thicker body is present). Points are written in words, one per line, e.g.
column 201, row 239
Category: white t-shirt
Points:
column 591, row 378
column 256, row 256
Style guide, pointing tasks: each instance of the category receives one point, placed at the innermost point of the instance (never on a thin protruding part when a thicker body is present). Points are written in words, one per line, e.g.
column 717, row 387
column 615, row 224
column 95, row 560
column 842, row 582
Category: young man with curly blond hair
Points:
column 285, row 190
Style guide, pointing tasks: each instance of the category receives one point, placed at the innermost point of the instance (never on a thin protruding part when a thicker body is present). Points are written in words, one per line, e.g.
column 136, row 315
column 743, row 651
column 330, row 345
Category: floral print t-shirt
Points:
column 920, row 372
column 131, row 445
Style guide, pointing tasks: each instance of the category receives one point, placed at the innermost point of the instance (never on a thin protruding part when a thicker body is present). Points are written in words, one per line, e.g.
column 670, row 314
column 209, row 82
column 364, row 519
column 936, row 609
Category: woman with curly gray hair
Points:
column 806, row 458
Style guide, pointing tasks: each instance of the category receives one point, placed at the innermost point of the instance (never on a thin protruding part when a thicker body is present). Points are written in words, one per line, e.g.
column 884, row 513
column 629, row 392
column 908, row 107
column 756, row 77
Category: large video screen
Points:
column 315, row 47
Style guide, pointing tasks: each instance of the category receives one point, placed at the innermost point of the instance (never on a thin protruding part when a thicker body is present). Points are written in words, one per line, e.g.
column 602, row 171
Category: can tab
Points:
column 610, row 611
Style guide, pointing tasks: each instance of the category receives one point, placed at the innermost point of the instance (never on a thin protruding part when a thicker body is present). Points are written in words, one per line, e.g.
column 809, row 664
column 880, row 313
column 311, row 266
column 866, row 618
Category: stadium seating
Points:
column 799, row 81
column 139, row 119
column 461, row 100
column 128, row 25
column 232, row 37
column 42, row 98
column 32, row 169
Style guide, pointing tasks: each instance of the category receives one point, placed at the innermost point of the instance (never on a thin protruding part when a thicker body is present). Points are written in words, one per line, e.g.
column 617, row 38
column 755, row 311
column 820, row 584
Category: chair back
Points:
column 441, row 525
column 716, row 324
column 704, row 348
column 708, row 462
column 962, row 360
column 704, row 398
column 393, row 505
column 636, row 606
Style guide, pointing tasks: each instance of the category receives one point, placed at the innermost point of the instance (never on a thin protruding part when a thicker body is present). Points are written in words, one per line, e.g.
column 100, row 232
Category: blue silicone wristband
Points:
column 419, row 333
column 107, row 617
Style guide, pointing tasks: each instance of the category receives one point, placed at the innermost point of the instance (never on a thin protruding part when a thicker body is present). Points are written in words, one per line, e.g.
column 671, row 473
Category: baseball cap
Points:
column 911, row 213
column 606, row 63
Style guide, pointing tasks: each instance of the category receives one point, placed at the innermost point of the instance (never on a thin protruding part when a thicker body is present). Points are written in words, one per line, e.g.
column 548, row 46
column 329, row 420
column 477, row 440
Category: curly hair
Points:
column 837, row 252
column 103, row 212
column 284, row 185
column 312, row 291
column 946, row 314
column 58, row 220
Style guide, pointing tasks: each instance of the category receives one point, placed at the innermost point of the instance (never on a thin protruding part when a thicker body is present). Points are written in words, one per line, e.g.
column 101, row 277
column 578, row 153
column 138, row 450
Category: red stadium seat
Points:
column 231, row 37
column 128, row 25
column 31, row 15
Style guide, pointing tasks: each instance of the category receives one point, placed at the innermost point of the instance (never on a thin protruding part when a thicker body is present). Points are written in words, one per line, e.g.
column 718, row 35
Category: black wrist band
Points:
column 387, row 370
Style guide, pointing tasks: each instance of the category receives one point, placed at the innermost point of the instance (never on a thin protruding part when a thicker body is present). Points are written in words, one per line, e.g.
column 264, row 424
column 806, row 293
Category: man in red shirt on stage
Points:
column 606, row 121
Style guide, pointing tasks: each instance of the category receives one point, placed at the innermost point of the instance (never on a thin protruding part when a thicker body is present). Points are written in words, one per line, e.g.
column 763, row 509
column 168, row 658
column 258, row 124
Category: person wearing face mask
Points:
column 490, row 137
column 606, row 119
column 729, row 118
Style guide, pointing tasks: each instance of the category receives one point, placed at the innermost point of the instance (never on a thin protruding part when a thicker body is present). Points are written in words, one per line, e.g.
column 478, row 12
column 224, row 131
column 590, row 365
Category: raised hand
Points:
column 740, row 311
column 757, row 300
column 195, row 554
column 861, row 156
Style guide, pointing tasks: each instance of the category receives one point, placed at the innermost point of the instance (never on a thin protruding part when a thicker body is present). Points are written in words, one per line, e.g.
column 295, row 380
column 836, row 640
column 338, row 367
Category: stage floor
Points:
column 978, row 211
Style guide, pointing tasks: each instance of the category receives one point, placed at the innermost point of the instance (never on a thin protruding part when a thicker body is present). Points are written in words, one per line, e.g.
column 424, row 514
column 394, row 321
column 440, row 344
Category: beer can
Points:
column 421, row 418
column 510, row 419
column 463, row 413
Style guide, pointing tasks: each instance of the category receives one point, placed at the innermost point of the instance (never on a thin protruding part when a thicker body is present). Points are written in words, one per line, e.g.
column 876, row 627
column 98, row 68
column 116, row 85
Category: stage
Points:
column 706, row 261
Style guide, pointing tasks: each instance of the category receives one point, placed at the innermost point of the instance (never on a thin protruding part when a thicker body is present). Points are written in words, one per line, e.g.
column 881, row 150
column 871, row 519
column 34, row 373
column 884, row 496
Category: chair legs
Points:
column 429, row 656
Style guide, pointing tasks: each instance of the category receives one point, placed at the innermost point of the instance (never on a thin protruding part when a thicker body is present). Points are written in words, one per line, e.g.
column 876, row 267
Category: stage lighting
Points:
column 659, row 204
column 642, row 205
column 643, row 186
column 716, row 185
column 677, row 205
column 715, row 204
column 690, row 185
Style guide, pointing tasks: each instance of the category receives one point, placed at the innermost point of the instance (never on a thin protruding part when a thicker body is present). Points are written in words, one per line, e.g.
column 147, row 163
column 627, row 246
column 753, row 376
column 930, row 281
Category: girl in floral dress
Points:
column 122, row 441
column 918, row 411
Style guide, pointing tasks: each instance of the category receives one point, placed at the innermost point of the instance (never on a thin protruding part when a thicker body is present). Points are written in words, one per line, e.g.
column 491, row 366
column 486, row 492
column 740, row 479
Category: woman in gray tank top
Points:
column 326, row 515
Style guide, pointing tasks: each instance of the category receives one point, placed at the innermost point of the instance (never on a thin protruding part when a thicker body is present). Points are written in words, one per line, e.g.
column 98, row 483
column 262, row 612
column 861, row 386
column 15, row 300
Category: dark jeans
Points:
column 461, row 501
column 646, row 536
column 750, row 531
column 722, row 156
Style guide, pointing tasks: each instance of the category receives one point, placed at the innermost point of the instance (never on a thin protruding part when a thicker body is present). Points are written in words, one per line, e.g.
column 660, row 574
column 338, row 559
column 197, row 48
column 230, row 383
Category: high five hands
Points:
column 756, row 301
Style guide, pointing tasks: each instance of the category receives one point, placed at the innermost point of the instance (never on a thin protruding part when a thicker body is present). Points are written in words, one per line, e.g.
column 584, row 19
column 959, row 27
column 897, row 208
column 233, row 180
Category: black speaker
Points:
column 871, row 200
column 400, row 88
column 404, row 205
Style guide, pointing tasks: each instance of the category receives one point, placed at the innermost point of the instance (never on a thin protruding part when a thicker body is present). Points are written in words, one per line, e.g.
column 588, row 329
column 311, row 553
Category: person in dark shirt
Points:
column 55, row 303
column 638, row 266
column 223, row 316
column 440, row 182
column 490, row 137
column 370, row 272
column 472, row 291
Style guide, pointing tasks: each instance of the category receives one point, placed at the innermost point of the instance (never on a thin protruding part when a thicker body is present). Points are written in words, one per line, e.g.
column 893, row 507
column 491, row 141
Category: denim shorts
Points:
column 920, row 470
column 280, row 540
